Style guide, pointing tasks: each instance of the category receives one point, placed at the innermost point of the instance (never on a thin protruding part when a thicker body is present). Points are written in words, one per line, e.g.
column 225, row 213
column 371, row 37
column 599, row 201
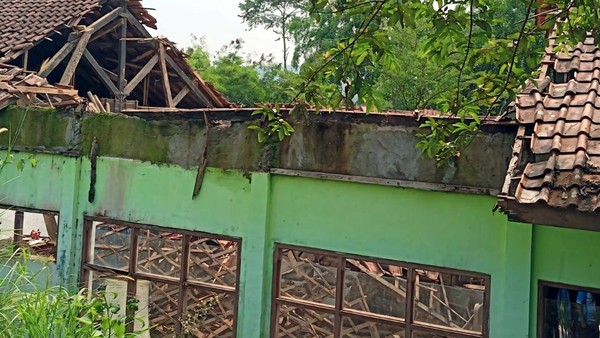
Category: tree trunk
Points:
column 284, row 38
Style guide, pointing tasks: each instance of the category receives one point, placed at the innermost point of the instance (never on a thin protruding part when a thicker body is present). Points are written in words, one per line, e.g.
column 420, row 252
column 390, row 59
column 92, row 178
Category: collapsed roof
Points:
column 102, row 47
column 556, row 159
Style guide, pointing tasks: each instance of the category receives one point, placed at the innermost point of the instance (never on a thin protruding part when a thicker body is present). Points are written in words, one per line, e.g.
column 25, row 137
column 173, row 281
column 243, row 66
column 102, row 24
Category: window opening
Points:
column 34, row 231
column 324, row 294
column 568, row 311
column 185, row 283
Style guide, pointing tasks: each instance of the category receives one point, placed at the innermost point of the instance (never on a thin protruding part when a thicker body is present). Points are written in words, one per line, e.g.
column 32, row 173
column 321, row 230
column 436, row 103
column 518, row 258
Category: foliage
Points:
column 244, row 81
column 420, row 81
column 272, row 124
column 485, row 65
column 275, row 15
column 30, row 308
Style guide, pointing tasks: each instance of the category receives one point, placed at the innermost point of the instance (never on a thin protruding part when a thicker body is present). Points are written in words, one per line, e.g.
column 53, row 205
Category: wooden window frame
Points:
column 540, row 303
column 19, row 220
column 133, row 275
column 339, row 312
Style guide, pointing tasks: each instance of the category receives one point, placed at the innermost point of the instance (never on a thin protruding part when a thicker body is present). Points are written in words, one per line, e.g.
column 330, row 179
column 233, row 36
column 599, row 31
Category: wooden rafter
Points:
column 165, row 75
column 101, row 72
column 182, row 93
column 67, row 48
column 109, row 28
column 188, row 81
column 141, row 75
column 122, row 57
column 64, row 51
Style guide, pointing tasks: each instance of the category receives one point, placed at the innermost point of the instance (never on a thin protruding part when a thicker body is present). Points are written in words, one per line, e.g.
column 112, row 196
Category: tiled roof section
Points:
column 135, row 6
column 563, row 125
column 23, row 23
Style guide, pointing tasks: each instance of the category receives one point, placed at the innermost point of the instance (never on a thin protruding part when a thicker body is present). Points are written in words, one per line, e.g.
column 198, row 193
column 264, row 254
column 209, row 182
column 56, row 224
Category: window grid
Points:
column 183, row 283
column 339, row 312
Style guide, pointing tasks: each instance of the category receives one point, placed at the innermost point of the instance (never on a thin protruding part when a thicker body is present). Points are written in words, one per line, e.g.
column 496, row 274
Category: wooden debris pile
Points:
column 28, row 89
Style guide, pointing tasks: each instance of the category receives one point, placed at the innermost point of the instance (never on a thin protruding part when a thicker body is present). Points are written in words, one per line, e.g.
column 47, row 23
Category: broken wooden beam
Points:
column 64, row 51
column 46, row 90
column 67, row 76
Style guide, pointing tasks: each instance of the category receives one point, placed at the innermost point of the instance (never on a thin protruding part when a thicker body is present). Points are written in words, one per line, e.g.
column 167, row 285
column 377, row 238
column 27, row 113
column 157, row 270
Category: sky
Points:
column 216, row 20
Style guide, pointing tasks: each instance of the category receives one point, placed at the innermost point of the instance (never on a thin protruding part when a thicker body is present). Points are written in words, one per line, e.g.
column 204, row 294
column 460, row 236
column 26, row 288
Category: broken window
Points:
column 568, row 311
column 185, row 283
column 34, row 231
column 324, row 294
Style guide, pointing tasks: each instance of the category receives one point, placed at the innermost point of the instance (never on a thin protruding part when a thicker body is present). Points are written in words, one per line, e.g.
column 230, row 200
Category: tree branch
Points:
column 341, row 51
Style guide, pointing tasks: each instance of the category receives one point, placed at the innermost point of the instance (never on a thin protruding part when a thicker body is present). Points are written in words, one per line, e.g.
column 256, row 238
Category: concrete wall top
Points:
column 374, row 146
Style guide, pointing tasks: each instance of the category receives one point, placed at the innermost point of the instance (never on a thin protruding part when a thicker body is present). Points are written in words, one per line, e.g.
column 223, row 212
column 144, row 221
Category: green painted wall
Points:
column 565, row 256
column 441, row 229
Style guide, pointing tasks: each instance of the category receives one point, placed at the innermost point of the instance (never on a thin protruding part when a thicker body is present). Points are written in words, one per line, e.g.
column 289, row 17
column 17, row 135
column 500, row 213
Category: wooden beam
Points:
column 180, row 96
column 188, row 81
column 75, row 58
column 105, row 20
column 137, row 25
column 143, row 56
column 99, row 33
column 18, row 228
column 101, row 72
column 25, row 61
column 141, row 74
column 46, row 90
column 165, row 75
column 65, row 50
column 70, row 45
column 51, row 227
column 122, row 57
column 146, row 88
column 389, row 182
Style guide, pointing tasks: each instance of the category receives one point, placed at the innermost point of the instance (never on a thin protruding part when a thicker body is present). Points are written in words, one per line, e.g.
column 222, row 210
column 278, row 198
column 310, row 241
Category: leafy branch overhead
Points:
column 466, row 58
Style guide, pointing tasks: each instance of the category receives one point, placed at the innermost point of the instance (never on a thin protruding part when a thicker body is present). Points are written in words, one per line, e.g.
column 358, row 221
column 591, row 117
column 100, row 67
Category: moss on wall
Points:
column 42, row 128
column 123, row 136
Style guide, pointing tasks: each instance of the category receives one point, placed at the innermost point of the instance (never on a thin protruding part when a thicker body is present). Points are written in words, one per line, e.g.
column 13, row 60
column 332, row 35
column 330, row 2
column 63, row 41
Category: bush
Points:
column 28, row 309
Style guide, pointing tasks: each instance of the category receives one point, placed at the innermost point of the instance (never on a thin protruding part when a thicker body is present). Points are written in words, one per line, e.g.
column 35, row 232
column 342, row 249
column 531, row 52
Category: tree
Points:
column 275, row 15
column 420, row 82
column 243, row 81
column 487, row 66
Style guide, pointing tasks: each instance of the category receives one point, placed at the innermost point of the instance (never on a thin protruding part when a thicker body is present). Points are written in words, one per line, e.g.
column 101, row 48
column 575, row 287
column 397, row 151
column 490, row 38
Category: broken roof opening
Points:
column 101, row 47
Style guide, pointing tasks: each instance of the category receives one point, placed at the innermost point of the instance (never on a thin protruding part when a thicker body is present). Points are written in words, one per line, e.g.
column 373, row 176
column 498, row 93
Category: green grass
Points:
column 30, row 307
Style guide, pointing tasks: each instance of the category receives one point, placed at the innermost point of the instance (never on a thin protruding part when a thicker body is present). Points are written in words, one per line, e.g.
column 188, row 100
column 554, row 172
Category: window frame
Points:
column 540, row 303
column 133, row 275
column 19, row 222
column 339, row 312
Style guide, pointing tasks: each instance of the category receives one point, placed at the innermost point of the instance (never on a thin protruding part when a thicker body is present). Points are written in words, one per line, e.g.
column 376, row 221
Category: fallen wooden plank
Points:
column 46, row 90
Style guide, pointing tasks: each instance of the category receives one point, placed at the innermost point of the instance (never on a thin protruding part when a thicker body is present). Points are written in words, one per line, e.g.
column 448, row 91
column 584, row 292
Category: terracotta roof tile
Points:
column 563, row 119
column 23, row 23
